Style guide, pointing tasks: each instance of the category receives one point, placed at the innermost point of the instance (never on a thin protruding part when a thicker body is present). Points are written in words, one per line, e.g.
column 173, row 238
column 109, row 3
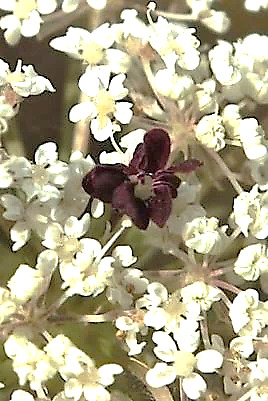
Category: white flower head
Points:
column 252, row 261
column 24, row 80
column 200, row 293
column 83, row 378
column 105, row 95
column 210, row 132
column 25, row 19
column 248, row 315
column 182, row 364
column 251, row 213
column 203, row 235
column 174, row 43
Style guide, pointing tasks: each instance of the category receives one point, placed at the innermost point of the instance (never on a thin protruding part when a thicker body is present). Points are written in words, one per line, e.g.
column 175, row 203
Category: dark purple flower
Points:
column 144, row 189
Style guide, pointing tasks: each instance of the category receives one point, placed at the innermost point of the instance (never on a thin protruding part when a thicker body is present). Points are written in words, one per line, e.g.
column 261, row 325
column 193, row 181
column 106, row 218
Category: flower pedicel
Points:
column 144, row 189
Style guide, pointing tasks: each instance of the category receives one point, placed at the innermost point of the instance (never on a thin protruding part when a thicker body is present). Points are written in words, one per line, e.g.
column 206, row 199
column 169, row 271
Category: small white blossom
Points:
column 92, row 47
column 204, row 236
column 168, row 83
column 104, row 104
column 252, row 261
column 25, row 19
column 223, row 63
column 252, row 138
column 30, row 363
column 24, row 80
column 251, row 213
column 248, row 315
column 88, row 273
column 66, row 240
column 131, row 326
column 200, row 293
column 175, row 43
column 183, row 364
column 83, row 378
column 210, row 132
column 48, row 174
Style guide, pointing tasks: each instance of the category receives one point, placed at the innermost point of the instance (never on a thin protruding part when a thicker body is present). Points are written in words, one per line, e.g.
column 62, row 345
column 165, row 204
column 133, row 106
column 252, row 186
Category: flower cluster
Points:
column 146, row 244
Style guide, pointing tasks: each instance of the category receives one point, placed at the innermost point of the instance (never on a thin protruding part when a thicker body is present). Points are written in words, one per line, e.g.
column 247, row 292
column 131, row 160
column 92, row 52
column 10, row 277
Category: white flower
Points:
column 131, row 326
column 175, row 43
column 156, row 297
column 242, row 345
column 88, row 272
column 248, row 315
column 24, row 80
column 252, row 138
column 66, row 240
column 83, row 378
column 30, row 363
column 104, row 103
column 74, row 199
column 124, row 285
column 92, row 47
column 223, row 64
column 25, row 19
column 210, row 132
column 48, row 174
column 200, row 293
column 204, row 236
column 183, row 364
column 13, row 170
column 252, row 261
column 168, row 83
column 29, row 216
column 251, row 213
column 28, row 283
column 25, row 284
column 132, row 26
column 231, row 119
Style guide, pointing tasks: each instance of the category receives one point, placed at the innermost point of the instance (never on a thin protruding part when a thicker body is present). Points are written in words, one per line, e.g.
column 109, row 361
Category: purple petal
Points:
column 126, row 203
column 167, row 178
column 160, row 205
column 102, row 181
column 152, row 155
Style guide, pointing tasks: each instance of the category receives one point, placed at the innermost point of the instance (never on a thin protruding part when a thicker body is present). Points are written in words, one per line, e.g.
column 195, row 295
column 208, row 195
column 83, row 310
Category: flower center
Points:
column 105, row 104
column 23, row 8
column 143, row 188
column 40, row 175
column 92, row 53
column 184, row 363
column 68, row 248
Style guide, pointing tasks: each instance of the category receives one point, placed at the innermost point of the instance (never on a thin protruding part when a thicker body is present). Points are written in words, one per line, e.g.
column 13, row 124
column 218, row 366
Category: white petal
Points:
column 46, row 154
column 123, row 112
column 160, row 375
column 107, row 373
column 31, row 26
column 194, row 385
column 103, row 133
column 82, row 111
column 208, row 361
